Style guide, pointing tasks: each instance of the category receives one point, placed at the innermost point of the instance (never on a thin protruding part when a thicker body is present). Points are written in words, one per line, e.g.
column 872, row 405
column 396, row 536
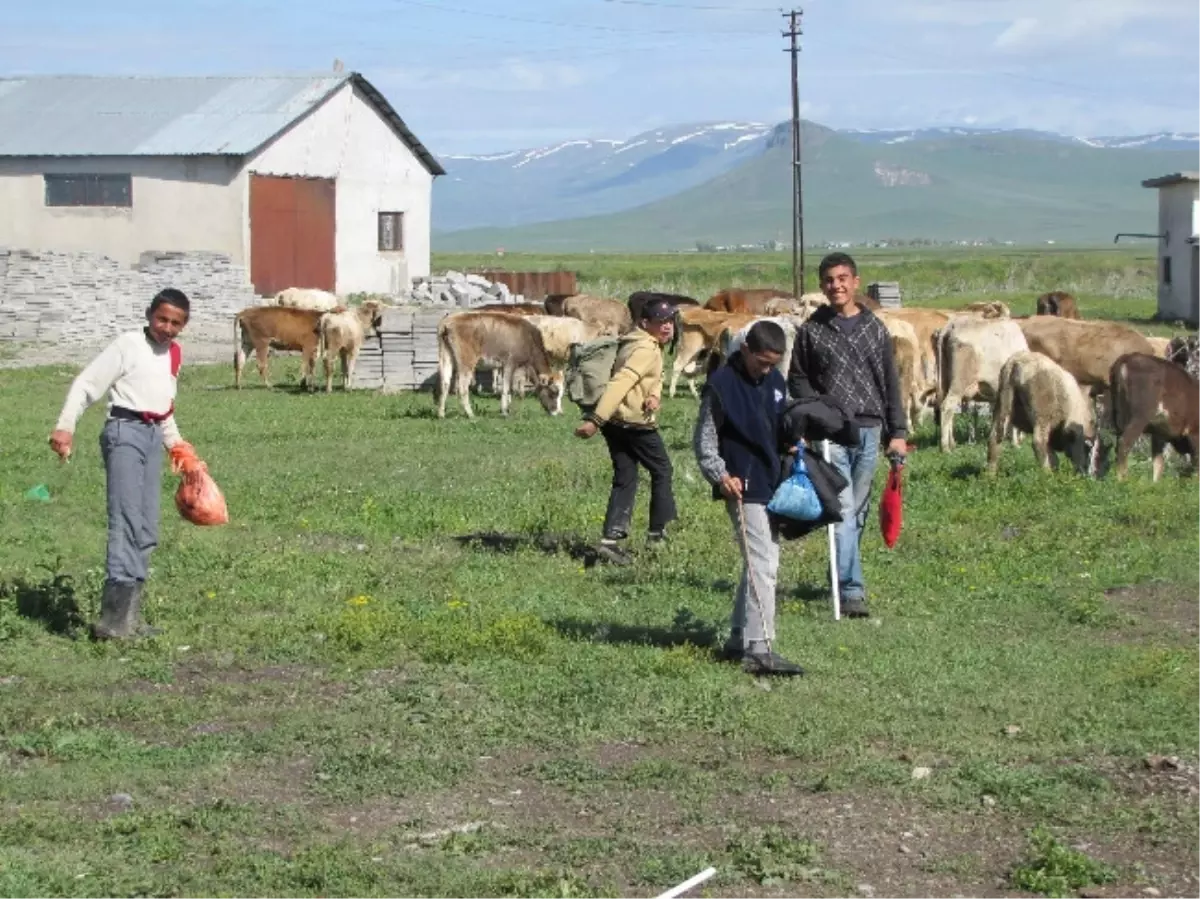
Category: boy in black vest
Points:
column 845, row 351
column 737, row 447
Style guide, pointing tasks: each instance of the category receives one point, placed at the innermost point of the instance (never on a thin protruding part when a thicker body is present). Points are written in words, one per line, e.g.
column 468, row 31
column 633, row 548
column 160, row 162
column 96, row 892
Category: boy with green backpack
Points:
column 625, row 411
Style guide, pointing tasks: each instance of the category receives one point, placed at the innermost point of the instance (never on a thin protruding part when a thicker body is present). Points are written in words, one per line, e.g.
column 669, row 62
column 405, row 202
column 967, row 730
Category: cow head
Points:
column 1185, row 352
column 1071, row 441
column 549, row 391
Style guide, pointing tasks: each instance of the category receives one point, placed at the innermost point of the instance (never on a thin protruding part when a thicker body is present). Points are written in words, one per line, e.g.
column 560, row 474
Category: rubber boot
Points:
column 116, row 612
column 140, row 627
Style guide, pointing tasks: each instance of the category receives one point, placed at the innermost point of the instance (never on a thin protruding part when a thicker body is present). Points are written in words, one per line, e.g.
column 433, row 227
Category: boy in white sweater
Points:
column 139, row 370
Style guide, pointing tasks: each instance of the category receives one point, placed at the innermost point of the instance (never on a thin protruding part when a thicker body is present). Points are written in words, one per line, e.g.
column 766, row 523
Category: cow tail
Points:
column 940, row 369
column 238, row 356
column 1117, row 398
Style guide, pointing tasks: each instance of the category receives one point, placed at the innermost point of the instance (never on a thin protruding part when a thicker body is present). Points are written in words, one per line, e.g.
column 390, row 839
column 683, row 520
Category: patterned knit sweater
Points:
column 854, row 365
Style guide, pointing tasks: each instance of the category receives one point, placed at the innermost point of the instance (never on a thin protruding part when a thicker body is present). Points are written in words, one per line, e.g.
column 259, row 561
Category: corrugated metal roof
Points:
column 171, row 116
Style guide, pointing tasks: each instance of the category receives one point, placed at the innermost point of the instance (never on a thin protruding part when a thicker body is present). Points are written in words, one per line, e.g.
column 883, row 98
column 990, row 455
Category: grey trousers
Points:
column 133, row 454
column 760, row 558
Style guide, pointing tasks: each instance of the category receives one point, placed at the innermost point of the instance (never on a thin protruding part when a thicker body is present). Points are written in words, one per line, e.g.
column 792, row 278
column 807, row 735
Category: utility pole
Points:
column 792, row 33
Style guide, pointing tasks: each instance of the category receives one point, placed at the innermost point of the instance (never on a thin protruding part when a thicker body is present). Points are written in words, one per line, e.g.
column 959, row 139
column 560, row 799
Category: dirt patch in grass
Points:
column 533, row 811
column 1159, row 611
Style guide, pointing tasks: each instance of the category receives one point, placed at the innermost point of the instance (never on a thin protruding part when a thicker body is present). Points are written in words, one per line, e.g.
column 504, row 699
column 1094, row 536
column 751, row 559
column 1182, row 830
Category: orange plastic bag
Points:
column 198, row 499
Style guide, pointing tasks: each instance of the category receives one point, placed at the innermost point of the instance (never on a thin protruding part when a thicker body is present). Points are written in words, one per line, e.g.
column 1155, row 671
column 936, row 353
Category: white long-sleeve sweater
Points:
column 137, row 373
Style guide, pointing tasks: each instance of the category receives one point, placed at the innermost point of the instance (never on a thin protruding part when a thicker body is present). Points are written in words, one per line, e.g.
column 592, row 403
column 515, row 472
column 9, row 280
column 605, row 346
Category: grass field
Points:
column 397, row 672
column 1111, row 277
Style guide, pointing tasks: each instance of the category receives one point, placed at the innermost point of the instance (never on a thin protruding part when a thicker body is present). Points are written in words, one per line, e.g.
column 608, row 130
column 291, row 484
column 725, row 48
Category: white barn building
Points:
column 1179, row 255
column 305, row 181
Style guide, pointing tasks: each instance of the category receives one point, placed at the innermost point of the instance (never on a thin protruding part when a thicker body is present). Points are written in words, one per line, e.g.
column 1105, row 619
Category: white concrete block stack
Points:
column 456, row 290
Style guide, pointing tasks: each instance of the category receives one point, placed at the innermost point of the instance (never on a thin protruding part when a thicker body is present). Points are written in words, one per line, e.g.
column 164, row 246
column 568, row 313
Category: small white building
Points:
column 1179, row 255
column 306, row 181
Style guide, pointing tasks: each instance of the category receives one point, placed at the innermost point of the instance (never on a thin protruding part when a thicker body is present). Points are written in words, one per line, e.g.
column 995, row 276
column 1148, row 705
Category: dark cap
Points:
column 658, row 310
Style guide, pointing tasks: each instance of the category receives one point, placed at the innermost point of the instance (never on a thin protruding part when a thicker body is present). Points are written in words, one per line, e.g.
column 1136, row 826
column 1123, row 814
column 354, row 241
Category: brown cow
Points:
column 699, row 330
column 612, row 317
column 510, row 342
column 1058, row 303
column 553, row 304
column 261, row 328
column 745, row 300
column 1152, row 394
column 1087, row 349
column 511, row 308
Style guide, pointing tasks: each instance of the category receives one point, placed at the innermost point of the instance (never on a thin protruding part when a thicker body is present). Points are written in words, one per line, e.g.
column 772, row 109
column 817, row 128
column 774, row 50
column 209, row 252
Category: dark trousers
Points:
column 629, row 447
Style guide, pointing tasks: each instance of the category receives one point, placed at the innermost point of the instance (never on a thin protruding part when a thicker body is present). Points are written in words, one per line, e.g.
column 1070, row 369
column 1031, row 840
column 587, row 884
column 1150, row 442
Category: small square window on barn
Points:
column 89, row 190
column 391, row 231
column 1166, row 277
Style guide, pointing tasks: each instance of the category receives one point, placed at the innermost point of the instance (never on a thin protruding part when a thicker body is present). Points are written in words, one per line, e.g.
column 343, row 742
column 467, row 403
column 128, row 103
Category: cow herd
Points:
column 1052, row 375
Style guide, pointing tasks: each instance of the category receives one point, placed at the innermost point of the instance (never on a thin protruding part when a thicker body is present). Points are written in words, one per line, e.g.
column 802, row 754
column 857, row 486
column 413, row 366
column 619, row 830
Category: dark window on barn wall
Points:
column 1166, row 277
column 391, row 231
column 89, row 190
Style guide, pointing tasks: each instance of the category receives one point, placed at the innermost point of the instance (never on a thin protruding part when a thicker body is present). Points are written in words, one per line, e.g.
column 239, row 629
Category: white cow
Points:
column 970, row 353
column 306, row 298
column 1037, row 396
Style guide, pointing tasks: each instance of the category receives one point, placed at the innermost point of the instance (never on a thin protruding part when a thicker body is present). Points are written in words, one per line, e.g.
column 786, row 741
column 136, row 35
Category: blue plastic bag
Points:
column 796, row 497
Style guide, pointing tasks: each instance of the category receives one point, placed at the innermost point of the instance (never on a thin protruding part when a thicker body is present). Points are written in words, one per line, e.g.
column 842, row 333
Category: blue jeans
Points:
column 857, row 466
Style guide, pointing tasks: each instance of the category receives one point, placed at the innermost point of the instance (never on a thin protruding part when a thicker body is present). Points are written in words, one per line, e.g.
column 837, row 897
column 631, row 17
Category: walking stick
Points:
column 833, row 575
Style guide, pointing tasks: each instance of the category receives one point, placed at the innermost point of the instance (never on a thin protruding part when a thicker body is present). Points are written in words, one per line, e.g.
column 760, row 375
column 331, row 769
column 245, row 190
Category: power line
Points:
column 701, row 7
column 574, row 25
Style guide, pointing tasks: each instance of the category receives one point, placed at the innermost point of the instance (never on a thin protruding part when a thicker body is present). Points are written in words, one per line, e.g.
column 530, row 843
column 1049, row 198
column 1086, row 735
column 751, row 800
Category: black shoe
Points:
column 117, row 620
column 769, row 663
column 731, row 652
column 855, row 607
column 611, row 552
column 140, row 627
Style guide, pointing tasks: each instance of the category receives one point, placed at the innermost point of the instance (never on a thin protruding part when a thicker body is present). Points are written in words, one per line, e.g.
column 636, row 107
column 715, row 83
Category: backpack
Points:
column 589, row 368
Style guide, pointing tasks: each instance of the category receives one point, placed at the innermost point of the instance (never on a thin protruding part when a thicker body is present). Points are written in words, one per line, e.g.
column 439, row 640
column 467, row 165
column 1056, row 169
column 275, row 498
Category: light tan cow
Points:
column 971, row 352
column 509, row 342
column 559, row 334
column 926, row 323
column 699, row 330
column 906, row 351
column 341, row 333
column 1037, row 396
column 262, row 328
column 1161, row 346
column 611, row 316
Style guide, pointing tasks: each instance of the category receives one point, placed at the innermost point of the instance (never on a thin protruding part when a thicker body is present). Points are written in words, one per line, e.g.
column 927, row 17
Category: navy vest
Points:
column 748, row 438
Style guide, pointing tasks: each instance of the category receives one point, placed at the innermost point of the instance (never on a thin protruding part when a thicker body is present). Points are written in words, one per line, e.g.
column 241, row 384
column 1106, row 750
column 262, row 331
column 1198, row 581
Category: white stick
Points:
column 688, row 884
column 833, row 574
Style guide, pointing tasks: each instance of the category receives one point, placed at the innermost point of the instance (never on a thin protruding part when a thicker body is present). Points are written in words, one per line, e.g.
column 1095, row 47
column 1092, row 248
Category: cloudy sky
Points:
column 490, row 75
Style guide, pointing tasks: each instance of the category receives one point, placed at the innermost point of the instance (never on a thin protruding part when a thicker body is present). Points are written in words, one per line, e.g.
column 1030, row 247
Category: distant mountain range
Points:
column 729, row 182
